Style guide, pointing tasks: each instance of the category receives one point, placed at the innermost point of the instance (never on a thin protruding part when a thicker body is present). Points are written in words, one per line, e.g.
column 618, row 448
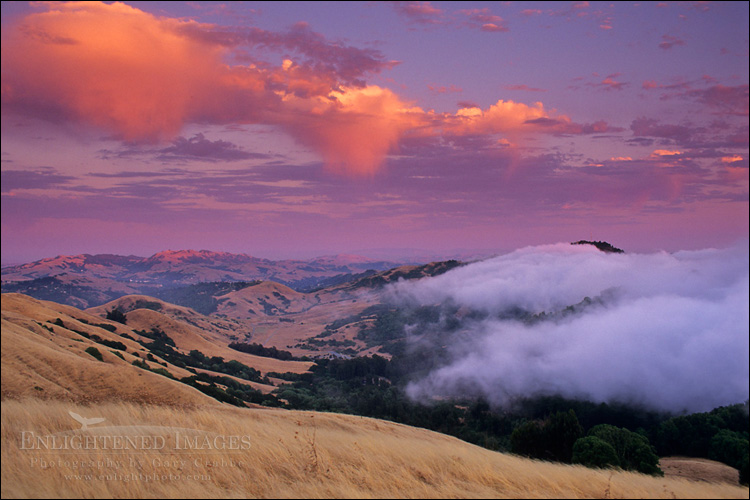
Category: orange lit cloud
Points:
column 731, row 159
column 658, row 153
column 142, row 78
column 353, row 129
column 112, row 66
column 503, row 116
column 514, row 118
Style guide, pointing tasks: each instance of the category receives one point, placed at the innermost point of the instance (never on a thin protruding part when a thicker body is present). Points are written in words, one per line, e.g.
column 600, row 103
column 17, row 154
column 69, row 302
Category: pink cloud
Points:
column 607, row 84
column 648, row 127
column 523, row 87
column 723, row 99
column 419, row 12
column 136, row 81
column 729, row 100
column 355, row 129
column 149, row 77
column 443, row 89
column 467, row 104
column 484, row 20
column 669, row 41
column 343, row 62
column 509, row 117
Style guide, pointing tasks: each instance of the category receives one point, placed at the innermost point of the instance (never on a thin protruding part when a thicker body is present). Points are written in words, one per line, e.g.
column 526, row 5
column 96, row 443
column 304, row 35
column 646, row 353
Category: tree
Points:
column 116, row 315
column 594, row 452
column 633, row 450
column 561, row 431
column 528, row 439
column 728, row 447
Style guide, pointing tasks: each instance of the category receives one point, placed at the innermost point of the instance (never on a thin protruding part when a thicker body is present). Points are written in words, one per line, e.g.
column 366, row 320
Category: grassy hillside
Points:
column 49, row 374
column 291, row 454
column 52, row 351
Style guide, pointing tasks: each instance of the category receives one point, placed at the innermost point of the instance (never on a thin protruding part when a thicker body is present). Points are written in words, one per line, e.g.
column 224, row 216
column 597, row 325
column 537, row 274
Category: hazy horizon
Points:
column 397, row 255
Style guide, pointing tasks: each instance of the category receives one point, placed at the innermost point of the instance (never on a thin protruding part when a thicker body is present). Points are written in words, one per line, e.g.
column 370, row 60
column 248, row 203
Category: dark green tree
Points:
column 728, row 447
column 528, row 439
column 561, row 431
column 594, row 452
column 633, row 450
column 116, row 315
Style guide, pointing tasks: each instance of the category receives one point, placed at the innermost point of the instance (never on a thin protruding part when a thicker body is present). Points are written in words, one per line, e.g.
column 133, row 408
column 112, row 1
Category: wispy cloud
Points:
column 523, row 87
column 40, row 178
column 196, row 148
column 420, row 12
column 484, row 20
column 669, row 41
column 724, row 99
column 649, row 127
column 609, row 83
column 442, row 89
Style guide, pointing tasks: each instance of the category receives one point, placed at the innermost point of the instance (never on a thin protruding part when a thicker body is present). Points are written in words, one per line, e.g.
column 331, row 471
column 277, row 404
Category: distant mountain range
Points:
column 189, row 277
column 184, row 267
column 87, row 280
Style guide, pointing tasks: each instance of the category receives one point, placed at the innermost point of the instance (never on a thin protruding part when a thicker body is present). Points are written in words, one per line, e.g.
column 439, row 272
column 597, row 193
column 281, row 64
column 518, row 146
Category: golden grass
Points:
column 700, row 469
column 271, row 331
column 25, row 312
column 295, row 455
column 36, row 362
column 188, row 337
column 46, row 374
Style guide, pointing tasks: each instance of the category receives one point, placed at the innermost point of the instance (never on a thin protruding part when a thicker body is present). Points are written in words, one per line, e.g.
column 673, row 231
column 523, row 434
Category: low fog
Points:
column 669, row 333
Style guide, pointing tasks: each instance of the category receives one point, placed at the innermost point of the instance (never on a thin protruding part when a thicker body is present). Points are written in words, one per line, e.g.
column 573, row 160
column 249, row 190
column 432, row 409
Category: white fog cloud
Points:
column 672, row 334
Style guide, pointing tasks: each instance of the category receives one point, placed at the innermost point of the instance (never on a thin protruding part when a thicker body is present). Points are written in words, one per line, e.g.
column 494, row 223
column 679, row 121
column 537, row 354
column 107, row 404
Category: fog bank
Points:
column 670, row 333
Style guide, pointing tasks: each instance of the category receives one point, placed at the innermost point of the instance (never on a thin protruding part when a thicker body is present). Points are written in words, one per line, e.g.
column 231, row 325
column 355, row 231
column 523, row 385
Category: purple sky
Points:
column 288, row 129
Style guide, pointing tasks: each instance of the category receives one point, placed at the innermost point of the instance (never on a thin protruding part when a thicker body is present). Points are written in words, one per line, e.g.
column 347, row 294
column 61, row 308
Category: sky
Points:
column 298, row 129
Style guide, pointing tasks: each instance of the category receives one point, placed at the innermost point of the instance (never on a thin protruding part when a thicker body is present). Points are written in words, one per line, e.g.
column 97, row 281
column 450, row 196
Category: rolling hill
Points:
column 90, row 280
column 292, row 455
column 48, row 376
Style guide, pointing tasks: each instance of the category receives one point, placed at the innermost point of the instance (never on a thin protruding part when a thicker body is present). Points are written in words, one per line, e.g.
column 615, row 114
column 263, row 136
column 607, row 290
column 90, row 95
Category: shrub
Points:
column 141, row 364
column 164, row 372
column 116, row 315
column 94, row 352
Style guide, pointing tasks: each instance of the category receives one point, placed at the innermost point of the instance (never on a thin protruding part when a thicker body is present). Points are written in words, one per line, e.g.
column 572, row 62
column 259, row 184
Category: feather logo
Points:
column 85, row 422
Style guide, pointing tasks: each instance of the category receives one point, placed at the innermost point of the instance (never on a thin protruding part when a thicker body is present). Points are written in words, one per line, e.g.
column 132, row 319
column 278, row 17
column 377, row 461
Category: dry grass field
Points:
column 699, row 469
column 289, row 454
column 46, row 375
